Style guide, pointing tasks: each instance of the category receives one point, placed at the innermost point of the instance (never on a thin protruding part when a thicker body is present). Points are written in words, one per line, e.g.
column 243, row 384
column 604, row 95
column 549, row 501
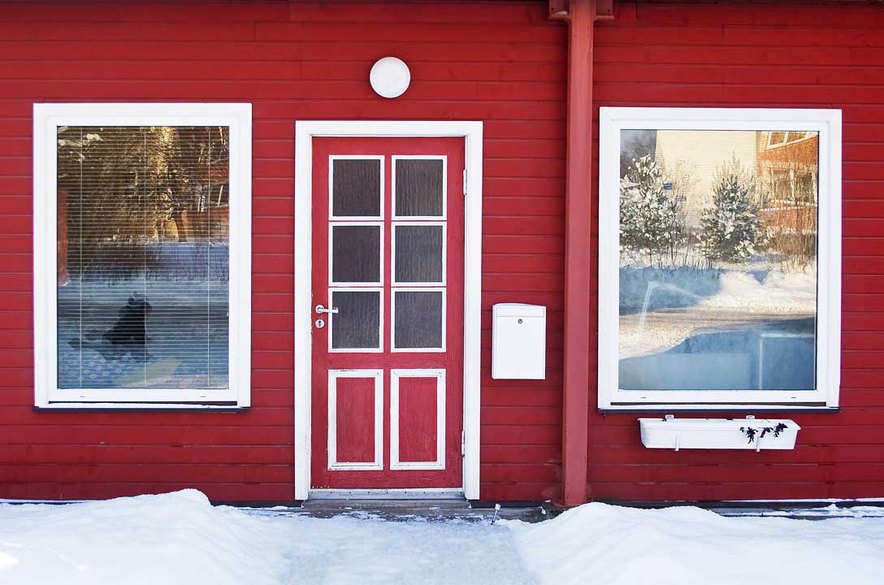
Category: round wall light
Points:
column 390, row 77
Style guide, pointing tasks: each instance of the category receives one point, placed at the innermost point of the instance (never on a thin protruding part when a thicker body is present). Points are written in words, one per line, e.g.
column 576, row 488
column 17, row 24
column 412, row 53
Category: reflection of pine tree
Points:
column 650, row 218
column 732, row 230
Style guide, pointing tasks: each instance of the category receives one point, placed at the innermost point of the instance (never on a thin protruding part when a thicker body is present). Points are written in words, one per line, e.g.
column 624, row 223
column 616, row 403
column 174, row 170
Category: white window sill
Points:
column 715, row 407
column 138, row 406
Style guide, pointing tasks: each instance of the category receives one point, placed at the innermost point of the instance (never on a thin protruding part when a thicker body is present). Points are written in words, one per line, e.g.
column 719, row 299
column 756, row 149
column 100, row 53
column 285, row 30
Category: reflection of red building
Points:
column 206, row 218
column 62, row 246
column 204, row 215
column 787, row 165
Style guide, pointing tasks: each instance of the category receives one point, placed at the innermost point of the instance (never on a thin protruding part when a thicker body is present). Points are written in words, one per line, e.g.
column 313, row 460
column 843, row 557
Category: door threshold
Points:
column 375, row 495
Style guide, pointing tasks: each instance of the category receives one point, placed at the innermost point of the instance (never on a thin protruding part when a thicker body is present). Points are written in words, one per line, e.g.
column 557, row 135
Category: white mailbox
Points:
column 518, row 342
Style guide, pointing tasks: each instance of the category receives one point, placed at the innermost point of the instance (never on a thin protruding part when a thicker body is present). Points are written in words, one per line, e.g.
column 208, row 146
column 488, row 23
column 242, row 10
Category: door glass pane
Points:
column 356, row 187
column 419, row 253
column 418, row 320
column 356, row 325
column 143, row 264
column 419, row 187
column 356, row 253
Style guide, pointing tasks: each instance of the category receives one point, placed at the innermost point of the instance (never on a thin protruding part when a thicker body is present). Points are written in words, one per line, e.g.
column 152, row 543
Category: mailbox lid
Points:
column 518, row 310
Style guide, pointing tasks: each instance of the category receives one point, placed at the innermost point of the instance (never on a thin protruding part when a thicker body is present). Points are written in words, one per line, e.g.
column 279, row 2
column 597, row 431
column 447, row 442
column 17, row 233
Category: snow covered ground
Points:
column 602, row 544
column 180, row 538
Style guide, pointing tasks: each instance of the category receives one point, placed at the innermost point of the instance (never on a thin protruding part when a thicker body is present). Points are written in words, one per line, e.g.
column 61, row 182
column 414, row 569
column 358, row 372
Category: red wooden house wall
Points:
column 766, row 55
column 502, row 63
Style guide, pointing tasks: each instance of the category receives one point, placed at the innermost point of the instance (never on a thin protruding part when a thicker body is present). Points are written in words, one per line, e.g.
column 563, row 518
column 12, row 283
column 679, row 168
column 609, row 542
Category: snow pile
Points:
column 777, row 292
column 608, row 545
column 180, row 538
column 171, row 538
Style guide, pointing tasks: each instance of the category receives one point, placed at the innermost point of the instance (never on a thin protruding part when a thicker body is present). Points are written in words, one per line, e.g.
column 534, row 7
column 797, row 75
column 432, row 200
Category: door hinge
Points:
column 463, row 443
column 464, row 182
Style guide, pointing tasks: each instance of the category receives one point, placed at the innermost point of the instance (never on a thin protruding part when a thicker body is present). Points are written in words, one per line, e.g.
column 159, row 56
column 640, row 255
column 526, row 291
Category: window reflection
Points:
column 143, row 263
column 718, row 254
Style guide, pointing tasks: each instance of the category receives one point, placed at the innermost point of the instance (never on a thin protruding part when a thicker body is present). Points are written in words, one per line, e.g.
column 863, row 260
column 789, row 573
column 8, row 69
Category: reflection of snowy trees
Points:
column 126, row 190
column 764, row 213
column 732, row 229
column 651, row 219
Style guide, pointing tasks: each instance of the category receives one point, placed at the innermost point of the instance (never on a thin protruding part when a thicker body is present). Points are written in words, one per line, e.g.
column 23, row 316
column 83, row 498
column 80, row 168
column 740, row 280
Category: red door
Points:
column 387, row 395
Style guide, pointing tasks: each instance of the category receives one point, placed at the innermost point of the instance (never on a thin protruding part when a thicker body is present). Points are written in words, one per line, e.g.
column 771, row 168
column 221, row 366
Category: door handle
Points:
column 320, row 310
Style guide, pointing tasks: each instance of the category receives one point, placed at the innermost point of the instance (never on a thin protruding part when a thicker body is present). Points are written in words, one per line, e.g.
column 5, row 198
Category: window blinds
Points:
column 143, row 263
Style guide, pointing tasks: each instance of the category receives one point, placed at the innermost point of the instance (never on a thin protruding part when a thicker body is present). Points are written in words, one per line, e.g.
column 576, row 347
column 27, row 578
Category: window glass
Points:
column 356, row 253
column 718, row 260
column 776, row 138
column 356, row 188
column 420, row 187
column 419, row 251
column 143, row 256
column 418, row 319
column 356, row 325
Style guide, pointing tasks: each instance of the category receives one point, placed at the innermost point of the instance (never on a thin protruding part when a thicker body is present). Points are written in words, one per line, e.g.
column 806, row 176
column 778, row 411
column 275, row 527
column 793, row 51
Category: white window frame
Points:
column 828, row 350
column 378, row 219
column 47, row 119
column 426, row 289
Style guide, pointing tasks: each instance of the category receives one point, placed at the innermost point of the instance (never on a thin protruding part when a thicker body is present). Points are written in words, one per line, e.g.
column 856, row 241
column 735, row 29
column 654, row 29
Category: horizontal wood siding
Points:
column 499, row 62
column 706, row 55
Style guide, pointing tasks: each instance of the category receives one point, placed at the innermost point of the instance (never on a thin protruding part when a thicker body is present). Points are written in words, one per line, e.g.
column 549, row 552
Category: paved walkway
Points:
column 401, row 542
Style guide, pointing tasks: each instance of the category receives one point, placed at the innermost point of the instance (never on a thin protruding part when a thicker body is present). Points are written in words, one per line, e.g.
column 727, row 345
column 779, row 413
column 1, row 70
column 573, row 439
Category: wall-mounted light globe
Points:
column 390, row 77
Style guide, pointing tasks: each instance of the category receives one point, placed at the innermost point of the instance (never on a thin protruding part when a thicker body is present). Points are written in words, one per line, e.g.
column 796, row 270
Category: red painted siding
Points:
column 500, row 62
column 503, row 63
column 669, row 54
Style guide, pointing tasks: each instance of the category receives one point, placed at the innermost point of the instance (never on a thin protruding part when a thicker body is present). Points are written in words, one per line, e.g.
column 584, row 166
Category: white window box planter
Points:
column 718, row 433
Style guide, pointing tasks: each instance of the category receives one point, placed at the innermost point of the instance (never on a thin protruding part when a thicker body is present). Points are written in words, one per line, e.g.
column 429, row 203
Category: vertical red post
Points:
column 578, row 190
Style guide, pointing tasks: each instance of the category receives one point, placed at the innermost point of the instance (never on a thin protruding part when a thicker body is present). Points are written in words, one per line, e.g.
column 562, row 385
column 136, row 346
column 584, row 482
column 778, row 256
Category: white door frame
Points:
column 471, row 132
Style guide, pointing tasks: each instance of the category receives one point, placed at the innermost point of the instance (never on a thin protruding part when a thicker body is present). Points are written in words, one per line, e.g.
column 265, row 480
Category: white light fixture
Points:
column 390, row 77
